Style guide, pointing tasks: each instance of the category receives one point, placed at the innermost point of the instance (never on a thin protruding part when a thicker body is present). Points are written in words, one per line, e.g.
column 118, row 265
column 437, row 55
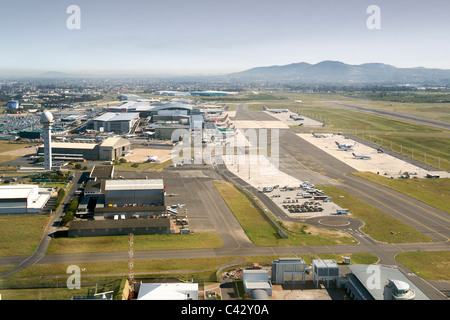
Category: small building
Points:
column 288, row 270
column 97, row 228
column 257, row 280
column 324, row 269
column 168, row 291
column 113, row 148
column 23, row 198
column 101, row 172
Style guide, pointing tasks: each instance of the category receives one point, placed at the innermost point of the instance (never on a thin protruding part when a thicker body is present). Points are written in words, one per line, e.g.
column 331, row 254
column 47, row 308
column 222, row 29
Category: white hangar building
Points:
column 23, row 198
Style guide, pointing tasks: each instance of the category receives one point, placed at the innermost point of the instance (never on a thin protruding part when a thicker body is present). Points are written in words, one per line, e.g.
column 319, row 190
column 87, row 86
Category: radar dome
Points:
column 46, row 117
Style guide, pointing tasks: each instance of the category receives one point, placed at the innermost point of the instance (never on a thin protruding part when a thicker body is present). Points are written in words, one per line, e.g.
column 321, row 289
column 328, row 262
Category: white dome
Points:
column 46, row 117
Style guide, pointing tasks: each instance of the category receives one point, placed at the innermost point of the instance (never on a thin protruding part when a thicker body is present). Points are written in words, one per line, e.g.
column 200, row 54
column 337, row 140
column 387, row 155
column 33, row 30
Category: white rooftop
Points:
column 16, row 191
column 121, row 116
column 134, row 184
column 168, row 291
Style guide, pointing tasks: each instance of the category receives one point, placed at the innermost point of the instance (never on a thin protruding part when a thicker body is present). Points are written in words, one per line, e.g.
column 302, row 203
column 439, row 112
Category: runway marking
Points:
column 357, row 190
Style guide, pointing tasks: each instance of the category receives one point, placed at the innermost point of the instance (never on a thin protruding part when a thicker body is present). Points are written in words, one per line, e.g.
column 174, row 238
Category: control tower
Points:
column 47, row 121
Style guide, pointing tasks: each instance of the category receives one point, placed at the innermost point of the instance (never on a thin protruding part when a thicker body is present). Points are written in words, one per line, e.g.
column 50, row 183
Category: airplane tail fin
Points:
column 353, row 154
column 264, row 108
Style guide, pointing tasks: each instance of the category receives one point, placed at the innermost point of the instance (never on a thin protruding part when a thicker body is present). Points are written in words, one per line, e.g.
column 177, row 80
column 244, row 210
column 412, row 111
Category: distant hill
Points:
column 54, row 74
column 339, row 72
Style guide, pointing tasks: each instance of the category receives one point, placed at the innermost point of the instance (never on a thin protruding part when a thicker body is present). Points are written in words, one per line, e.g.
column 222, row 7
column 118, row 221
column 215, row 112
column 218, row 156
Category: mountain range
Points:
column 339, row 72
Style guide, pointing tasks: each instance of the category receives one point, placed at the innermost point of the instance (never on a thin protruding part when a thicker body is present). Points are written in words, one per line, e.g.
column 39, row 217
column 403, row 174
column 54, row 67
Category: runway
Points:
column 304, row 161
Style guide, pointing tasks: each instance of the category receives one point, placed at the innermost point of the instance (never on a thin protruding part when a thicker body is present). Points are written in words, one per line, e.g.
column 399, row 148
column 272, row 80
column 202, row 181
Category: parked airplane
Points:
column 344, row 148
column 152, row 159
column 361, row 157
column 275, row 110
column 318, row 135
column 347, row 145
column 296, row 117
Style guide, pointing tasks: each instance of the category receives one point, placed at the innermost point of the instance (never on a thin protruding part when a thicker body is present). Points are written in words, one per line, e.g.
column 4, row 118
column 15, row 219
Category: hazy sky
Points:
column 210, row 36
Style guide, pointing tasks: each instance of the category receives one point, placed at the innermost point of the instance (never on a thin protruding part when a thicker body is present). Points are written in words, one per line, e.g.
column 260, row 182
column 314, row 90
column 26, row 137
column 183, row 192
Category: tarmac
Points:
column 380, row 163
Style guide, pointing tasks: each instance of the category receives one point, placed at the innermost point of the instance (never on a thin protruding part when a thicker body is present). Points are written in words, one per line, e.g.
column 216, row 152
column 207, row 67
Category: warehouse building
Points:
column 23, row 198
column 94, row 228
column 108, row 150
column 123, row 122
column 134, row 192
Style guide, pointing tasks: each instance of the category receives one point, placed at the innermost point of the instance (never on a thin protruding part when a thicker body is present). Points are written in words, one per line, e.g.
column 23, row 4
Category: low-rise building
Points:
column 23, row 198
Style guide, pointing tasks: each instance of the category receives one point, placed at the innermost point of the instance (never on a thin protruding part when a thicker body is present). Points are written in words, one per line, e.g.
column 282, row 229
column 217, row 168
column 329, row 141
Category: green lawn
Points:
column 378, row 224
column 261, row 230
column 434, row 192
column 201, row 240
column 20, row 234
column 427, row 265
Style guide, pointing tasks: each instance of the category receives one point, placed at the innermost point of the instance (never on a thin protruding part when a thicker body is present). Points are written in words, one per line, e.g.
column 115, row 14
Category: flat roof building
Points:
column 288, row 270
column 23, row 198
column 109, row 149
column 168, row 291
column 119, row 122
column 110, row 227
column 126, row 192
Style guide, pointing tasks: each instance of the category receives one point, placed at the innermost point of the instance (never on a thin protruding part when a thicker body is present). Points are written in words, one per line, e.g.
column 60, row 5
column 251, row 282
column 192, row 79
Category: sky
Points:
column 152, row 37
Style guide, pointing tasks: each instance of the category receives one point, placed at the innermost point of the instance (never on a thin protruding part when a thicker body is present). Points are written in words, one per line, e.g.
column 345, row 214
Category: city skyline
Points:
column 210, row 37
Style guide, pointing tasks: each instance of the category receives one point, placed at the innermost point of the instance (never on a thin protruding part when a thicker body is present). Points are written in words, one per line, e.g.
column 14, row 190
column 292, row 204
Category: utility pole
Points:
column 131, row 279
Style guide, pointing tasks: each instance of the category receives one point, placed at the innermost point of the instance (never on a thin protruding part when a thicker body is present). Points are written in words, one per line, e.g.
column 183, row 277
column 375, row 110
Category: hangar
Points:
column 126, row 192
column 110, row 149
column 95, row 228
column 123, row 122
column 23, row 198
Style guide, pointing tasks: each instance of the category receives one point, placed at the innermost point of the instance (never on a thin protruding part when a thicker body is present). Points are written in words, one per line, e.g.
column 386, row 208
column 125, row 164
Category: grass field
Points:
column 261, row 230
column 427, row 265
column 433, row 150
column 201, row 240
column 378, row 224
column 21, row 234
column 434, row 192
